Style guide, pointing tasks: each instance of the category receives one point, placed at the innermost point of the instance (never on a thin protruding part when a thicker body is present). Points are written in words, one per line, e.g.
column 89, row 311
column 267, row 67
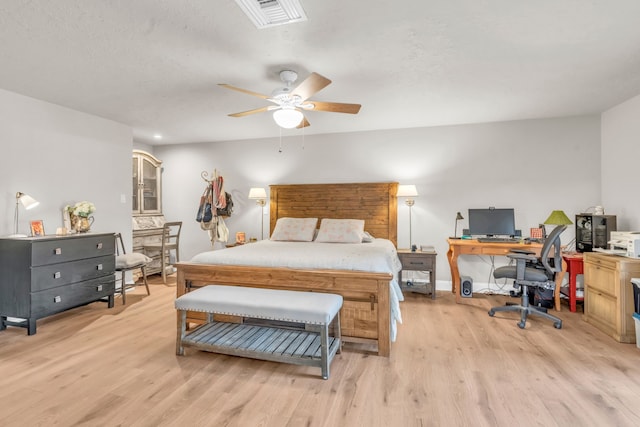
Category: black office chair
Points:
column 533, row 272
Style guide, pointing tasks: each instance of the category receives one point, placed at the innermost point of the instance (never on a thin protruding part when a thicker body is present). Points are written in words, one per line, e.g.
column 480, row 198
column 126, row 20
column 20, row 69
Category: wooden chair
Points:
column 170, row 242
column 128, row 262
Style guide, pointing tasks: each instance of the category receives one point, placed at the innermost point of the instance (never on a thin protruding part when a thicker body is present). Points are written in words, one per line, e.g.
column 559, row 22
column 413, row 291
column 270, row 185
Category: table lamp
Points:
column 408, row 192
column 558, row 218
column 29, row 203
column 260, row 196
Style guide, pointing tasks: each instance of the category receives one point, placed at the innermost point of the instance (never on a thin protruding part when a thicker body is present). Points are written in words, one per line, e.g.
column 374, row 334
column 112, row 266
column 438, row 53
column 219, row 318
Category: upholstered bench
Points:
column 299, row 334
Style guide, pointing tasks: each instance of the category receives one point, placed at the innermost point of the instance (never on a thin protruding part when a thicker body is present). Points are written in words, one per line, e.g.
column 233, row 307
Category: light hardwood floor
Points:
column 452, row 365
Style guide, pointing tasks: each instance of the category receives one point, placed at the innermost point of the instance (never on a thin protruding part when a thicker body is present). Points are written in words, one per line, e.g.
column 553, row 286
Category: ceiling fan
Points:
column 292, row 101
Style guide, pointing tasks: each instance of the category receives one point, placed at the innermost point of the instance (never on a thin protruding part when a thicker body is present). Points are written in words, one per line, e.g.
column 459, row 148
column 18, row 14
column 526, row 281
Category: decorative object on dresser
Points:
column 417, row 265
column 129, row 262
column 162, row 251
column 46, row 275
column 408, row 192
column 29, row 203
column 608, row 294
column 80, row 216
column 260, row 196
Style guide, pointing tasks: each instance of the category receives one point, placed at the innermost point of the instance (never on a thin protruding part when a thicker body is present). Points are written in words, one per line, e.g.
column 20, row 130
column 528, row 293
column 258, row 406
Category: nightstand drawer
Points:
column 416, row 262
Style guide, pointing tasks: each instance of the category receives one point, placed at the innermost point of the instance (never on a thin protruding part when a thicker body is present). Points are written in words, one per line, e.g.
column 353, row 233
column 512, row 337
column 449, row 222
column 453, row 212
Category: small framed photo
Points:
column 37, row 228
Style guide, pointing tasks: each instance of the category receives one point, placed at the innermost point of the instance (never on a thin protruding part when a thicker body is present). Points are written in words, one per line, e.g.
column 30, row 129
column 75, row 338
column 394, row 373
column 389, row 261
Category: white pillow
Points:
column 294, row 229
column 366, row 237
column 341, row 231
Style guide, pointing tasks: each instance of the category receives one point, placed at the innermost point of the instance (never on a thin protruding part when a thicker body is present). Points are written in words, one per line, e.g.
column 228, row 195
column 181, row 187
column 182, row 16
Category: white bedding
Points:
column 378, row 256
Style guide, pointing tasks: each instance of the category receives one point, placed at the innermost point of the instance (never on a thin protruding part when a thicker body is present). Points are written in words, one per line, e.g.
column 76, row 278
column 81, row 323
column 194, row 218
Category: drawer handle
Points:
column 57, row 298
column 57, row 275
column 372, row 298
column 99, row 267
column 99, row 245
column 99, row 288
column 57, row 251
column 416, row 262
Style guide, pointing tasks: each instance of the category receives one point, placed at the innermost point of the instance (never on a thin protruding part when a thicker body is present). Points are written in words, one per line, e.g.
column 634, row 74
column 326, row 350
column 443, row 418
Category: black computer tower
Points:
column 593, row 231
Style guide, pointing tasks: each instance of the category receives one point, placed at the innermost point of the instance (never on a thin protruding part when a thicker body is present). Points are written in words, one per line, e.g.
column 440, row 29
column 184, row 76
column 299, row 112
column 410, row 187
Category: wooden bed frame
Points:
column 365, row 315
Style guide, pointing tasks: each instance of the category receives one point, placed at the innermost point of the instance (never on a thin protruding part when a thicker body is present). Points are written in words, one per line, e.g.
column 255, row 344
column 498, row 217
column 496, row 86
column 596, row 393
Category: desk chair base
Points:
column 525, row 310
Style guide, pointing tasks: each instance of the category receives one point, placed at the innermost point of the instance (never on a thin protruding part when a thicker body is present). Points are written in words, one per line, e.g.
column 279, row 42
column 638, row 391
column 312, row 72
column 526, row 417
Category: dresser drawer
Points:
column 54, row 275
column 54, row 300
column 63, row 250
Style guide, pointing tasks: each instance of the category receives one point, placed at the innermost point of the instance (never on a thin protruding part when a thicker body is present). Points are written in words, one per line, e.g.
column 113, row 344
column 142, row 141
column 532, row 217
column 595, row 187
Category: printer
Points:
column 627, row 241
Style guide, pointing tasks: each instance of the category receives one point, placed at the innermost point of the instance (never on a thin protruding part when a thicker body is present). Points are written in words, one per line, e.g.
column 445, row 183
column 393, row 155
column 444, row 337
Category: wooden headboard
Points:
column 376, row 203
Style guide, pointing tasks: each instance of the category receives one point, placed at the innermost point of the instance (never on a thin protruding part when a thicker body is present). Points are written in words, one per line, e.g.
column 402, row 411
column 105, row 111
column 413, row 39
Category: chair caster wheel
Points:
column 521, row 325
column 558, row 325
column 491, row 313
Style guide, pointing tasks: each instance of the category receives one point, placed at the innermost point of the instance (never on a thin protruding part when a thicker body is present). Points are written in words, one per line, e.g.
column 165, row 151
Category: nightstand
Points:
column 422, row 262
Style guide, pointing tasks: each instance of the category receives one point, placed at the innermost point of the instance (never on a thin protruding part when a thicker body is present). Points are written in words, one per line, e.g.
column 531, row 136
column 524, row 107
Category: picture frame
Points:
column 37, row 228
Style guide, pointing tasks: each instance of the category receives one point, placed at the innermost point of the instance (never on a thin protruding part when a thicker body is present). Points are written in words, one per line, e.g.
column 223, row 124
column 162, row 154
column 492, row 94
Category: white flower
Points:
column 83, row 209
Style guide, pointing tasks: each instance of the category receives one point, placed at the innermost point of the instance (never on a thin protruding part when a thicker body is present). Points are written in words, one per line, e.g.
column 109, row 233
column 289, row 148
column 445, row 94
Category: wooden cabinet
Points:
column 147, row 230
column 50, row 274
column 608, row 294
column 147, row 184
column 424, row 262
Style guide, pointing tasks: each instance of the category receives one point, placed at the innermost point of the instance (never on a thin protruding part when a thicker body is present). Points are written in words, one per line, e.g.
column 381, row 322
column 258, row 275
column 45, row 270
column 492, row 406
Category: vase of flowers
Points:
column 80, row 216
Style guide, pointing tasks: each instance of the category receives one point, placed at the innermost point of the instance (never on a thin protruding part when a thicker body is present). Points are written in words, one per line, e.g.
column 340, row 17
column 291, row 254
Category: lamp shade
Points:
column 257, row 193
column 287, row 118
column 558, row 218
column 27, row 201
column 407, row 191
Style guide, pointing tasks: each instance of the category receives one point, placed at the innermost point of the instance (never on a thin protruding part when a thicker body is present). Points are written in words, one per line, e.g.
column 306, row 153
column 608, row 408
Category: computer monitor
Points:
column 492, row 222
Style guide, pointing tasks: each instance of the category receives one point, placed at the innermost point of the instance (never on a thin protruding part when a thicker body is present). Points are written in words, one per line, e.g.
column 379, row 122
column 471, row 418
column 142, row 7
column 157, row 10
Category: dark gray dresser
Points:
column 41, row 276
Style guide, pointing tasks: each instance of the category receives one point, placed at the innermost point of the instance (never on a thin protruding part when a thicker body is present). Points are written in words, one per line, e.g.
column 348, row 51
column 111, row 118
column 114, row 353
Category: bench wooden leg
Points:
column 324, row 350
column 181, row 330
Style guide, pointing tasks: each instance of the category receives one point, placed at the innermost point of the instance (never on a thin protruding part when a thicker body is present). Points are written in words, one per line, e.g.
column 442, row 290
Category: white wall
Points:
column 620, row 163
column 534, row 166
column 60, row 156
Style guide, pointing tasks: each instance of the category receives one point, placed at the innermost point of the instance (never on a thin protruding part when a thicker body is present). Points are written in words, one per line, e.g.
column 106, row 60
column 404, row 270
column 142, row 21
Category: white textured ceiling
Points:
column 155, row 64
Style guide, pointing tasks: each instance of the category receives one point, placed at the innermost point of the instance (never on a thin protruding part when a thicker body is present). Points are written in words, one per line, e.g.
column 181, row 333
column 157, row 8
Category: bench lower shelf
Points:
column 300, row 347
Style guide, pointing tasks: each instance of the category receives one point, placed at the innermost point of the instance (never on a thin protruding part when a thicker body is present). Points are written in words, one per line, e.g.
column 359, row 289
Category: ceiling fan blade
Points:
column 335, row 107
column 303, row 124
column 311, row 85
column 246, row 113
column 248, row 92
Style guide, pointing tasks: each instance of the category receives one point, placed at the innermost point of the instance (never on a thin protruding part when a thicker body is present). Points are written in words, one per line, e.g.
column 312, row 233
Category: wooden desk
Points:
column 473, row 247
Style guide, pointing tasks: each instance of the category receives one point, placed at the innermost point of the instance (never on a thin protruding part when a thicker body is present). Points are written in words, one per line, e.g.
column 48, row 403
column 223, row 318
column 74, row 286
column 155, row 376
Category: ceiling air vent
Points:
column 269, row 13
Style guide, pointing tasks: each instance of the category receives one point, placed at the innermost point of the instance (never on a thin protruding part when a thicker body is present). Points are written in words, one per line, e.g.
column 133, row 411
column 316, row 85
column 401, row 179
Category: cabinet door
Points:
column 150, row 187
column 146, row 182
column 135, row 185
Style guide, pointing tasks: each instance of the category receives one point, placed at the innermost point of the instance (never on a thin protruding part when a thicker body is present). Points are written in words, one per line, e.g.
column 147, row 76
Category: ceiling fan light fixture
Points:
column 288, row 118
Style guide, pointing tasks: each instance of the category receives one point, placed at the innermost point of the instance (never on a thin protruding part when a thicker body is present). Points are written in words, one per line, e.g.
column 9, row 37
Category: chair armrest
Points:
column 520, row 256
column 522, row 251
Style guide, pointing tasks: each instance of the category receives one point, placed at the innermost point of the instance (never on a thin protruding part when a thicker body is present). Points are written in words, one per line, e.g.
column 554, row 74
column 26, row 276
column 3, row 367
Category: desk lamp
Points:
column 458, row 218
column 558, row 218
column 408, row 192
column 260, row 196
column 29, row 203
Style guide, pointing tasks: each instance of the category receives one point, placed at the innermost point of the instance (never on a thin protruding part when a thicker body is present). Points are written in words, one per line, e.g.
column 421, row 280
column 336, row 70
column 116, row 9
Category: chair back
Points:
column 120, row 245
column 171, row 233
column 552, row 242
